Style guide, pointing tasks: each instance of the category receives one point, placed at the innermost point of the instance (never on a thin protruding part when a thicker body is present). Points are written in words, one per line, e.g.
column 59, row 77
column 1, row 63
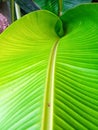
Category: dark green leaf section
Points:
column 76, row 75
column 51, row 5
column 59, row 6
column 56, row 6
column 68, row 4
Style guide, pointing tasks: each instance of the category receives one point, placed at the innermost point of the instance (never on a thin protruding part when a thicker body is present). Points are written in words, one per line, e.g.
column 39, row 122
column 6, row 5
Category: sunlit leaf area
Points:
column 48, row 65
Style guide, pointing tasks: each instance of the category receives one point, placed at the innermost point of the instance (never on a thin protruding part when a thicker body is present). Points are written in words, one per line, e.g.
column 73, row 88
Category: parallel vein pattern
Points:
column 76, row 84
column 30, row 65
column 24, row 56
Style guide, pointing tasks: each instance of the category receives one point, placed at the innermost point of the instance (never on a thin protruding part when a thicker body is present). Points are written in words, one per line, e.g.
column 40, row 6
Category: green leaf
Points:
column 68, row 4
column 49, row 77
column 51, row 5
column 56, row 6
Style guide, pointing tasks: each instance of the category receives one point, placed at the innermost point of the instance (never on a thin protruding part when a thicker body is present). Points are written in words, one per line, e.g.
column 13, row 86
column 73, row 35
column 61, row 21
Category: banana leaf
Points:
column 49, row 71
column 56, row 6
column 68, row 4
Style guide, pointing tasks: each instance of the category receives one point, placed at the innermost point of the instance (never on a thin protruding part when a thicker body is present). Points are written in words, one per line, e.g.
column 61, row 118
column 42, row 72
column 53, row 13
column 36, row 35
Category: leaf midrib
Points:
column 47, row 118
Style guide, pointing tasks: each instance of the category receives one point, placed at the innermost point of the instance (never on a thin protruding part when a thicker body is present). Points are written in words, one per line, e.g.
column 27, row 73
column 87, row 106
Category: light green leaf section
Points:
column 76, row 75
column 25, row 50
column 48, row 81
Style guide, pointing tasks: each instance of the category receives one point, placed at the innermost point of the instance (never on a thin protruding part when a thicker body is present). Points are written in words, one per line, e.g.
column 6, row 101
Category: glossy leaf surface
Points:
column 49, row 71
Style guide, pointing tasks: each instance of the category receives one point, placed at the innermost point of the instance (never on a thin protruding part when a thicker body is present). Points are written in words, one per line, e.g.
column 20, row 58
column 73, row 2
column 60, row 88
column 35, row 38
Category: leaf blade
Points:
column 23, row 73
column 76, row 80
